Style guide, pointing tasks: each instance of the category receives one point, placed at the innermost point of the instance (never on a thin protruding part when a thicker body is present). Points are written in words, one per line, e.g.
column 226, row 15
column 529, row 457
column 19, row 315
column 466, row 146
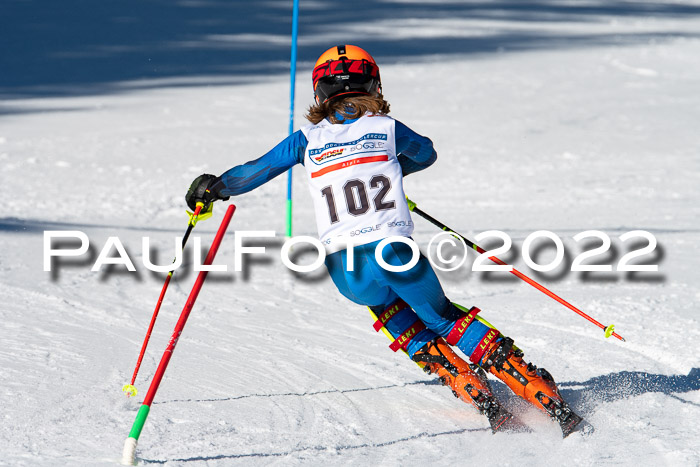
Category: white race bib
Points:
column 356, row 182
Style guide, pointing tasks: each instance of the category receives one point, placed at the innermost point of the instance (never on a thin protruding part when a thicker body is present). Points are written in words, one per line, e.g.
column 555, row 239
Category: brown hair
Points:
column 348, row 107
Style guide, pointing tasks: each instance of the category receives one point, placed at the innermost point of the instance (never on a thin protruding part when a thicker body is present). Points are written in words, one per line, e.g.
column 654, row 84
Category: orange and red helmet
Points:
column 345, row 70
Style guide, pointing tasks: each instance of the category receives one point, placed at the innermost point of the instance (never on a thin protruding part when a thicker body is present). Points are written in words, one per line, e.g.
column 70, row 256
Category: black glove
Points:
column 205, row 189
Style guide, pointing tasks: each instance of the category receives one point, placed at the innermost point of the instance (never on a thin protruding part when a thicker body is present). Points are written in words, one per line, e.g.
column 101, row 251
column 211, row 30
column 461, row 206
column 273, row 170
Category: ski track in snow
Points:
column 273, row 369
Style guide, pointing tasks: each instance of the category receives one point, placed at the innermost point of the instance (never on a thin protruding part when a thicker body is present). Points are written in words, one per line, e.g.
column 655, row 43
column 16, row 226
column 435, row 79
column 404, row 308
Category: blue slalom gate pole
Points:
column 292, row 79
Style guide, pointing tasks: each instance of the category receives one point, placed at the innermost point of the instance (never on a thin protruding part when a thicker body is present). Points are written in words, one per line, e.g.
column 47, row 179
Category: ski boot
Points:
column 468, row 382
column 533, row 384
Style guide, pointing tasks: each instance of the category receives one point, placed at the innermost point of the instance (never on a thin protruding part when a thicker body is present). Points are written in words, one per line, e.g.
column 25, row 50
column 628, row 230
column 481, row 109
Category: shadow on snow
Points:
column 84, row 47
column 616, row 386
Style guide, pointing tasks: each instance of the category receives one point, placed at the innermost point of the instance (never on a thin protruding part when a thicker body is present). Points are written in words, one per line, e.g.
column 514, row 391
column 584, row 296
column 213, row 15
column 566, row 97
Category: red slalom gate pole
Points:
column 609, row 330
column 130, row 389
column 129, row 453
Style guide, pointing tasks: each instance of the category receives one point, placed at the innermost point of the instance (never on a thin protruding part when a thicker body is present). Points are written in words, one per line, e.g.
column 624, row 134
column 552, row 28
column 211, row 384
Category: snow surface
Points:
column 562, row 116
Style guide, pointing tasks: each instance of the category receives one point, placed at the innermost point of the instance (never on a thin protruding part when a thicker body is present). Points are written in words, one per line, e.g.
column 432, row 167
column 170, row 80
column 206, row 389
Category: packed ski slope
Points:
column 582, row 124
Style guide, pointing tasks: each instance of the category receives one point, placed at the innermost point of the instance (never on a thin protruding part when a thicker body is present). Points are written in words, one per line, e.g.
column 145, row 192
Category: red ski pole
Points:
column 129, row 453
column 609, row 330
column 130, row 389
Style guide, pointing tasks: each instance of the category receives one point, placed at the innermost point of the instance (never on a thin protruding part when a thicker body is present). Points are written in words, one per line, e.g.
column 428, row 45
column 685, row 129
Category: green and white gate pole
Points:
column 129, row 453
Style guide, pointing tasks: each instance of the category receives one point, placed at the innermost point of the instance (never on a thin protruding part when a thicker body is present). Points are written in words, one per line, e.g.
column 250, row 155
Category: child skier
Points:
column 355, row 158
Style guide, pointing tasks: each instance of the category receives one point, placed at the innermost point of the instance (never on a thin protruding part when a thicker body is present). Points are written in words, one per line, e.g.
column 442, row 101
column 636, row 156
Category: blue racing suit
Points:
column 369, row 284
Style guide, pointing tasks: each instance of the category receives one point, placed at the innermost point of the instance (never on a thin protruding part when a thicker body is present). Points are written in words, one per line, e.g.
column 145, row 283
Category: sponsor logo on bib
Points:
column 369, row 143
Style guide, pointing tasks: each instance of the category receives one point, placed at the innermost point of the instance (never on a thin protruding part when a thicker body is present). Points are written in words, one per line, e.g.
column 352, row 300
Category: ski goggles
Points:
column 366, row 69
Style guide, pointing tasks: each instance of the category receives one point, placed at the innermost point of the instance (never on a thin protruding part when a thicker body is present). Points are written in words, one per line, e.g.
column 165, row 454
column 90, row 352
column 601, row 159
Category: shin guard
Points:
column 402, row 325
